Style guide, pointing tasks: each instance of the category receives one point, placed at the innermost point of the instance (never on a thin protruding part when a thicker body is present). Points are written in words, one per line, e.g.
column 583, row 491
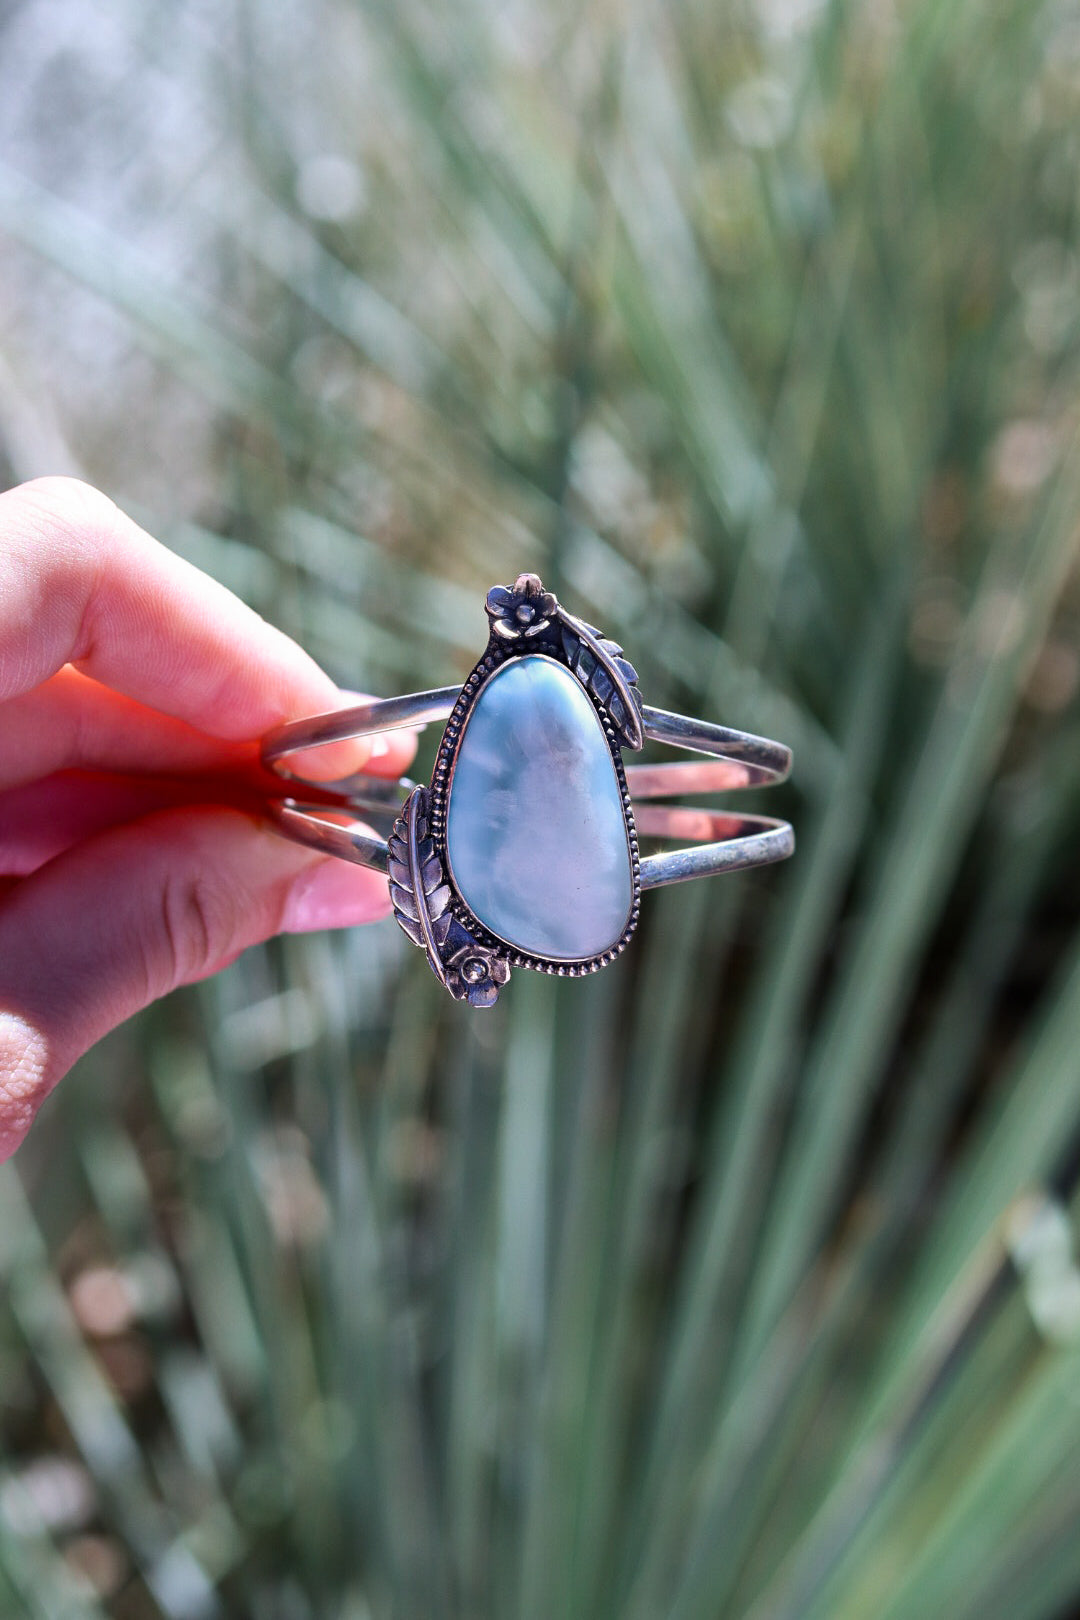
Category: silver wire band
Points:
column 723, row 842
column 741, row 841
column 764, row 761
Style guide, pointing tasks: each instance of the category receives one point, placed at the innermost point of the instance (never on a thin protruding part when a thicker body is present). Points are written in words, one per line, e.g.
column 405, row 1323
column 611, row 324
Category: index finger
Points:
column 81, row 583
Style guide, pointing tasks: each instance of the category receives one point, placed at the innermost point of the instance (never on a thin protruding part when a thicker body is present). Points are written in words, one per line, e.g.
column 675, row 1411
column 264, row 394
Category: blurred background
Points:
column 739, row 1282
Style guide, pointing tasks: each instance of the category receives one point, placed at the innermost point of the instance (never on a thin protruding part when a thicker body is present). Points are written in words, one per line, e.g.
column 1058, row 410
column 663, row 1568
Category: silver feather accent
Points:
column 419, row 891
column 602, row 669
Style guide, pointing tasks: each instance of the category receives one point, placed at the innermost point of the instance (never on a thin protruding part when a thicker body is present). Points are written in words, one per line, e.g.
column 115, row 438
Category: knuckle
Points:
column 200, row 925
column 71, row 501
column 69, row 529
column 63, row 494
column 23, row 1076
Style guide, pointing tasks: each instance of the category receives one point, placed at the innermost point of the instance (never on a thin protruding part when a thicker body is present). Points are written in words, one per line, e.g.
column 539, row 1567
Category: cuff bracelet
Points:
column 523, row 850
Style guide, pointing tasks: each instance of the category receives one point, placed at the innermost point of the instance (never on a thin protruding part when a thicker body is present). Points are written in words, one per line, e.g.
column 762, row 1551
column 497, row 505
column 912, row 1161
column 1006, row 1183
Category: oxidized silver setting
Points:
column 528, row 619
column 424, row 904
column 467, row 958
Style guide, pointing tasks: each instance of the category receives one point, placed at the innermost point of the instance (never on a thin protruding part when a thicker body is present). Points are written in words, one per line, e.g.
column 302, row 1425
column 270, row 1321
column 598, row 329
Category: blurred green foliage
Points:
column 741, row 1280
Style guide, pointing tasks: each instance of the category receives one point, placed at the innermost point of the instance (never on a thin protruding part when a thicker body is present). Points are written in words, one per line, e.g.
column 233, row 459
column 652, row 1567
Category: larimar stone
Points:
column 536, row 837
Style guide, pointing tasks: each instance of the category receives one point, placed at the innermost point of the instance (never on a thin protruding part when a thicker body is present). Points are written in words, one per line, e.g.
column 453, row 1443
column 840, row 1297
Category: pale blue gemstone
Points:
column 535, row 833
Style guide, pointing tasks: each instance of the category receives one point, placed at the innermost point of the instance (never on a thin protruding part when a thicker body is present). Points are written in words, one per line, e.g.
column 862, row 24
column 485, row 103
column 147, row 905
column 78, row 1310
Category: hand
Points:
column 131, row 687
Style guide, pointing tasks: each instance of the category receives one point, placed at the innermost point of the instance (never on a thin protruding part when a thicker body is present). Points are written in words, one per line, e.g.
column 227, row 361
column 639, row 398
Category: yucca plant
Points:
column 740, row 1281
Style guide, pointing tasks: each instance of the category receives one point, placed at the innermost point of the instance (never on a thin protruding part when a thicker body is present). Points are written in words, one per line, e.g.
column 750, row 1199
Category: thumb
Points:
column 122, row 918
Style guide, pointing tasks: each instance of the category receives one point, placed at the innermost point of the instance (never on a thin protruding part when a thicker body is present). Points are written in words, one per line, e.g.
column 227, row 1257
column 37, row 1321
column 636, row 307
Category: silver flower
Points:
column 526, row 609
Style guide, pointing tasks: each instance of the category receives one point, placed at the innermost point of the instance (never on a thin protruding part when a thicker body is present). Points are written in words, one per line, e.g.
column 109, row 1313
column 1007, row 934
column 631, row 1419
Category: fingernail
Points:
column 378, row 745
column 334, row 894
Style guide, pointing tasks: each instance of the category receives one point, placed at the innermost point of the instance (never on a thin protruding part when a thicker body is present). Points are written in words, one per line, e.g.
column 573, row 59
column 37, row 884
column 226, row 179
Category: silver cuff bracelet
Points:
column 524, row 849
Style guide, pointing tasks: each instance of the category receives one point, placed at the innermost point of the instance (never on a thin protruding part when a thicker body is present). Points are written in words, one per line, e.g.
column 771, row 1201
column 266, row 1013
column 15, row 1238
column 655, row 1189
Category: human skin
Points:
column 133, row 856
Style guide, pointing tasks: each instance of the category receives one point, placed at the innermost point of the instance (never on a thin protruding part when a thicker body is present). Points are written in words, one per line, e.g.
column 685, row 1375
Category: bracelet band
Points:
column 524, row 849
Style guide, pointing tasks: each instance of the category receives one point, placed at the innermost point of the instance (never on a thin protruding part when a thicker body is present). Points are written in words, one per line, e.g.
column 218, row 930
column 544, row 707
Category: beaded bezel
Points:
column 495, row 658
